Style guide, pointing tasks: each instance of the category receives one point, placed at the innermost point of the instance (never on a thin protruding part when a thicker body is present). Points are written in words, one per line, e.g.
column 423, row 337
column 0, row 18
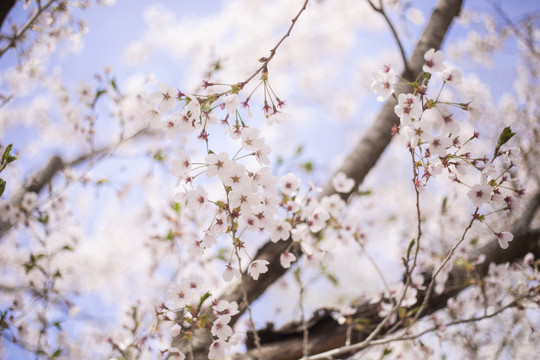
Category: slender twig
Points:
column 441, row 266
column 265, row 61
column 256, row 337
column 376, row 267
column 28, row 25
column 102, row 154
column 528, row 40
column 359, row 346
column 305, row 328
column 381, row 11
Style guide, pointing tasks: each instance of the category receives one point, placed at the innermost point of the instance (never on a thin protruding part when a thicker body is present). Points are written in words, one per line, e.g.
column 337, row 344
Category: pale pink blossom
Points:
column 251, row 140
column 434, row 61
column 408, row 108
column 193, row 108
column 181, row 167
column 29, row 201
column 220, row 327
column 280, row 230
column 286, row 258
column 453, row 76
column 230, row 272
column 439, row 144
column 334, row 204
column 218, row 350
column 231, row 103
column 224, row 307
column 176, row 354
column 257, row 267
column 504, row 238
column 480, row 194
column 383, row 83
column 342, row 183
column 289, row 184
column 415, row 16
column 261, row 155
column 175, row 330
column 197, row 198
column 165, row 97
column 250, row 221
column 217, row 164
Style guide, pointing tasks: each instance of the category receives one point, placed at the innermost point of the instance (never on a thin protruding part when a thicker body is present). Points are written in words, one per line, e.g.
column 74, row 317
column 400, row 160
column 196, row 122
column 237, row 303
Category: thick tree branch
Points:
column 362, row 159
column 5, row 8
column 359, row 162
column 326, row 334
column 38, row 180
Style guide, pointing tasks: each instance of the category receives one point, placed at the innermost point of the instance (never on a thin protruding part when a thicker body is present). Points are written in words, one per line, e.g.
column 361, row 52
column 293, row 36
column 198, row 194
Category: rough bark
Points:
column 359, row 162
column 326, row 334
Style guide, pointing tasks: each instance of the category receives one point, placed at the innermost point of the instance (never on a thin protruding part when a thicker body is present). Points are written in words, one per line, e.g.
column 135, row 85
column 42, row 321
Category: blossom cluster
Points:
column 253, row 200
column 439, row 144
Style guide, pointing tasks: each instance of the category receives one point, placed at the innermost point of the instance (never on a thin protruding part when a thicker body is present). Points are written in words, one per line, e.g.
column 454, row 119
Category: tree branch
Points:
column 38, row 180
column 357, row 165
column 380, row 10
column 5, row 8
column 35, row 184
column 326, row 334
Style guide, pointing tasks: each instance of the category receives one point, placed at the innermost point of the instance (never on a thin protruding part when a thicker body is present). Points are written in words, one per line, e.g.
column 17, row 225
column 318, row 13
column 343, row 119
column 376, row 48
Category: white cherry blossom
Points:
column 257, row 267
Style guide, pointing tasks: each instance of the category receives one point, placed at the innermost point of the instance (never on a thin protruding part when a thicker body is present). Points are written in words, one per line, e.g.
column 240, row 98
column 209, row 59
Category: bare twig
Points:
column 43, row 177
column 13, row 41
column 381, row 11
column 265, row 61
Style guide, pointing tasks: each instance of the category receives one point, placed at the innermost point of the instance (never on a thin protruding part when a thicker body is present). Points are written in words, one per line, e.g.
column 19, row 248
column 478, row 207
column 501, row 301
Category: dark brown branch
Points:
column 357, row 165
column 19, row 35
column 362, row 159
column 37, row 181
column 326, row 334
column 5, row 8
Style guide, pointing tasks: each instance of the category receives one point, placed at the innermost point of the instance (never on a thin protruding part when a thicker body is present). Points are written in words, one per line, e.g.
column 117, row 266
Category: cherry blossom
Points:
column 218, row 164
column 251, row 140
column 257, row 267
column 224, row 307
column 280, row 230
column 438, row 145
column 289, row 184
column 197, row 198
column 286, row 258
column 181, row 167
column 342, row 183
column 218, row 350
column 193, row 108
column 416, row 16
column 29, row 201
column 383, row 83
column 408, row 108
column 176, row 354
column 504, row 238
column 453, row 76
column 220, row 327
column 165, row 96
column 175, row 330
column 230, row 272
column 231, row 102
column 480, row 194
column 434, row 61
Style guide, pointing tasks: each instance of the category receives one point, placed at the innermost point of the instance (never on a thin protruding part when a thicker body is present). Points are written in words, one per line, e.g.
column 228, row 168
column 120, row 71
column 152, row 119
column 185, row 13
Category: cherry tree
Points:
column 290, row 179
